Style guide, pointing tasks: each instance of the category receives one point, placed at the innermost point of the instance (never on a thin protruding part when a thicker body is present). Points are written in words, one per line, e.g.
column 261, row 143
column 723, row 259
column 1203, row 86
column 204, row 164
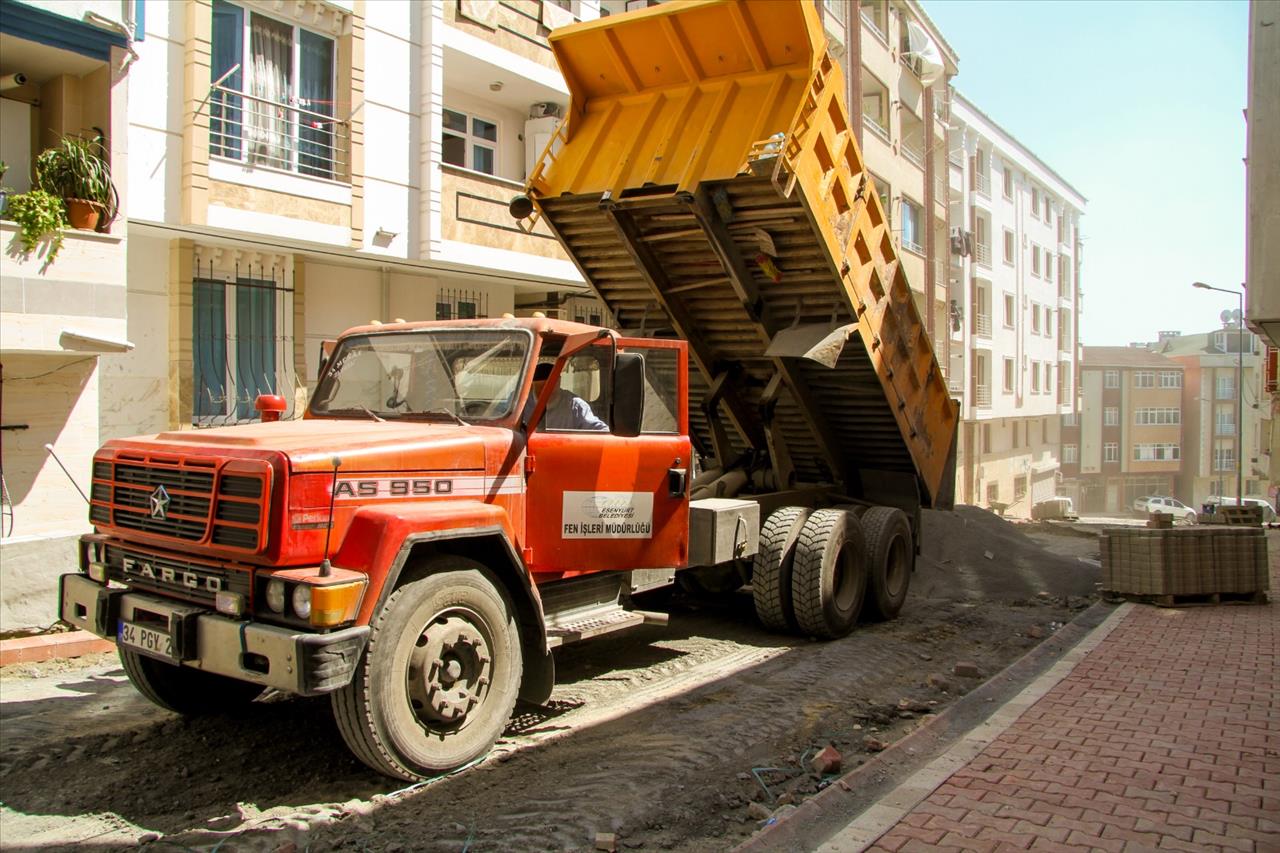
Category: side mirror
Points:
column 628, row 394
column 271, row 406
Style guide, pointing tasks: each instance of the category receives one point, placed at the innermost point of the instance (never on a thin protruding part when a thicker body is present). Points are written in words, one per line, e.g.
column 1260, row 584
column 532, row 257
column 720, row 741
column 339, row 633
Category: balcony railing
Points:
column 913, row 154
column 982, row 184
column 282, row 136
column 982, row 325
column 982, row 396
column 956, row 386
column 1224, row 429
column 982, row 254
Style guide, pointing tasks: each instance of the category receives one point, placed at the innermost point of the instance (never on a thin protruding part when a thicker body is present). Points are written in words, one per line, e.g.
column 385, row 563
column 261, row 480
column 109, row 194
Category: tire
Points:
column 890, row 561
column 772, row 568
column 829, row 579
column 183, row 689
column 404, row 714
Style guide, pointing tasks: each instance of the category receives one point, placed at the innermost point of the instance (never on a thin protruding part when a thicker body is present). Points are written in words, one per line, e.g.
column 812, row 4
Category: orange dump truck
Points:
column 462, row 497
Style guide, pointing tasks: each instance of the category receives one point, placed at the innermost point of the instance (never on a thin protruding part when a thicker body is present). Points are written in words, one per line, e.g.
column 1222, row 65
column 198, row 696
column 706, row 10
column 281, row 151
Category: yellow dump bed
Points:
column 706, row 183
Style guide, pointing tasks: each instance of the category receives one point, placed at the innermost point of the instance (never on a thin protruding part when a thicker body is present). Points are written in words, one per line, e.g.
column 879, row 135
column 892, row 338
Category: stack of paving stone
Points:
column 1197, row 562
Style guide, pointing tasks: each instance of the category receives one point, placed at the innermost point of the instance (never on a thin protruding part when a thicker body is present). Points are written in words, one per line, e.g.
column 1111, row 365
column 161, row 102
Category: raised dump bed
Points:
column 707, row 185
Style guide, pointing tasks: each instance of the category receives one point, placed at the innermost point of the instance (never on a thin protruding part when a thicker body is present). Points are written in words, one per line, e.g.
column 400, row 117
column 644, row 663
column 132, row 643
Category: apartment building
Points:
column 65, row 70
column 294, row 169
column 1227, row 424
column 1015, row 311
column 1128, row 437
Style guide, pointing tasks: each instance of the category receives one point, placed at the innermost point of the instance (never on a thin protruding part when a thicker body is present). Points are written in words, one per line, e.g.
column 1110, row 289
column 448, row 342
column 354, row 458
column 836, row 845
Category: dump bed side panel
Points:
column 707, row 185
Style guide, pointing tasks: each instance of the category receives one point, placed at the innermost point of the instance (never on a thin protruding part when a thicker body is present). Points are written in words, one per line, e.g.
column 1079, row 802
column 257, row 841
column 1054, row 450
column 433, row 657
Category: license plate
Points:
column 149, row 641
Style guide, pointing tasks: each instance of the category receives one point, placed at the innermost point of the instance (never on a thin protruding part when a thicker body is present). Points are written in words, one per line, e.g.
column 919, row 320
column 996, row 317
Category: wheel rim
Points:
column 895, row 570
column 450, row 670
column 844, row 584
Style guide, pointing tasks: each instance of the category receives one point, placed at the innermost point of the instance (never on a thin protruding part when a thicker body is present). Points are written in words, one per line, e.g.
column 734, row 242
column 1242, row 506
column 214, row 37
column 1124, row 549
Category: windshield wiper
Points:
column 443, row 411
column 365, row 410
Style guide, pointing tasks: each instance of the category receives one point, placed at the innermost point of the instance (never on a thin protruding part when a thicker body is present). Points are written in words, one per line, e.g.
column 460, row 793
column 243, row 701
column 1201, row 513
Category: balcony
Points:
column 982, row 185
column 474, row 211
column 982, row 396
column 259, row 131
column 74, row 304
column 518, row 27
column 1221, row 428
column 982, row 254
column 982, row 325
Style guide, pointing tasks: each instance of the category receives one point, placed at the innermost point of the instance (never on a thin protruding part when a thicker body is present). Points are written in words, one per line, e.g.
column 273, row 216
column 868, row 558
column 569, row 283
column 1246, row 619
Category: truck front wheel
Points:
column 440, row 677
column 184, row 690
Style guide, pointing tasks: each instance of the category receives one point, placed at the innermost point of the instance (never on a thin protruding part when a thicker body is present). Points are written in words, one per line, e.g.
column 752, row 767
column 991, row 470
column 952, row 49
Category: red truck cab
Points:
column 392, row 548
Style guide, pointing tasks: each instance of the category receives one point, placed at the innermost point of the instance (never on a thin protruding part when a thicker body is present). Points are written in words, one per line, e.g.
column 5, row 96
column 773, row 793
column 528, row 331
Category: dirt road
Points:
column 680, row 738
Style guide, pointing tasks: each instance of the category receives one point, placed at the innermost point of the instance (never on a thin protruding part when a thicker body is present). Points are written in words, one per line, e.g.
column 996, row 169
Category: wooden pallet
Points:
column 1188, row 600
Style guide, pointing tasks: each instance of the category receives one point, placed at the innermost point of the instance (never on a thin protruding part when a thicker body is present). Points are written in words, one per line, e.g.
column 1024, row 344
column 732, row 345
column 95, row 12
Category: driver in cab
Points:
column 565, row 410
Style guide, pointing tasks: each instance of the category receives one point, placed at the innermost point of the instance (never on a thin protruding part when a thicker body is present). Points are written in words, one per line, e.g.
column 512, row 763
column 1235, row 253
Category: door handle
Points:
column 677, row 482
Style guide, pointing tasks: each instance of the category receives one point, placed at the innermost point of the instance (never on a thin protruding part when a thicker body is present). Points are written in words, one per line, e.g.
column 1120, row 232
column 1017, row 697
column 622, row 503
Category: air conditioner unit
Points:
column 545, row 109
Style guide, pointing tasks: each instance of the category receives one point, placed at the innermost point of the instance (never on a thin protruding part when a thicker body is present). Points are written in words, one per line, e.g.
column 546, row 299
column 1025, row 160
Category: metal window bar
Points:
column 282, row 136
column 461, row 304
column 247, row 350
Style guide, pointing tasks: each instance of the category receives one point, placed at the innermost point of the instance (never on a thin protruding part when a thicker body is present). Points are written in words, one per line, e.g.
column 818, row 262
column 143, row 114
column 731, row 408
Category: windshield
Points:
column 456, row 374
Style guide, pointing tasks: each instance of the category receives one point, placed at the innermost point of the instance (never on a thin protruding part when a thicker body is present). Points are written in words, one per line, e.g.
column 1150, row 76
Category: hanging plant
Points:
column 40, row 215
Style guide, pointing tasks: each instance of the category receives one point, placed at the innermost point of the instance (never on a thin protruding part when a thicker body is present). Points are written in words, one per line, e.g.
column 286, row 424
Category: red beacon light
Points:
column 272, row 406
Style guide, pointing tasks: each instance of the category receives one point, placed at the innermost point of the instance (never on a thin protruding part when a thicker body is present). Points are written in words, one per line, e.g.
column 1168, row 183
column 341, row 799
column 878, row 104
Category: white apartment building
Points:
column 1015, row 312
column 292, row 170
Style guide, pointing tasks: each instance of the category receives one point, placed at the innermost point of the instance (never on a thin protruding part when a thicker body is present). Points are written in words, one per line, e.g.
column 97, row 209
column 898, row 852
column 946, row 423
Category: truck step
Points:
column 598, row 622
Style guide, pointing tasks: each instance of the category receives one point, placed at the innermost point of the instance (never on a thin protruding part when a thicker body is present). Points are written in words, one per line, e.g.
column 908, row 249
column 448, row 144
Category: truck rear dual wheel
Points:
column 440, row 677
column 829, row 578
column 772, row 569
column 183, row 689
column 890, row 557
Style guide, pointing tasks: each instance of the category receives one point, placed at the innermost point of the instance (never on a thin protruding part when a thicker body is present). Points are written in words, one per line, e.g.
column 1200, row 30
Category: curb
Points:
column 71, row 644
column 833, row 809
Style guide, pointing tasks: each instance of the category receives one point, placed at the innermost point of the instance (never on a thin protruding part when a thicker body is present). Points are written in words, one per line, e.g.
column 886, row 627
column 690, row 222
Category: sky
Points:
column 1139, row 106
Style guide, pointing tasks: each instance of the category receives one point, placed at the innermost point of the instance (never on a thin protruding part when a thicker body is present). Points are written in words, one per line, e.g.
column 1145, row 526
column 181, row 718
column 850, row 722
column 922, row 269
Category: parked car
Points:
column 1268, row 511
column 1168, row 506
column 1059, row 507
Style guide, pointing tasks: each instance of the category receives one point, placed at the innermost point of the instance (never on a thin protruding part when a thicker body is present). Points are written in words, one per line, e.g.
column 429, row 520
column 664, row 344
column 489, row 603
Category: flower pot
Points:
column 82, row 214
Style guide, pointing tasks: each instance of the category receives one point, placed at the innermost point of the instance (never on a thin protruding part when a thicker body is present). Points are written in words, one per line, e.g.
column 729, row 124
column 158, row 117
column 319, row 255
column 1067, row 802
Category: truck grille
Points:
column 173, row 576
column 189, row 500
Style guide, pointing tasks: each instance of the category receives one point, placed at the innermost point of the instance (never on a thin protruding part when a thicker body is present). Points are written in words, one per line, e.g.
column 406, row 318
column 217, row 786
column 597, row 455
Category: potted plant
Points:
column 4, row 191
column 39, row 215
column 76, row 171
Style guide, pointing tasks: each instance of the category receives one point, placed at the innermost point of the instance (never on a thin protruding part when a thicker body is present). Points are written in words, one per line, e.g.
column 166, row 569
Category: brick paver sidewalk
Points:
column 1166, row 736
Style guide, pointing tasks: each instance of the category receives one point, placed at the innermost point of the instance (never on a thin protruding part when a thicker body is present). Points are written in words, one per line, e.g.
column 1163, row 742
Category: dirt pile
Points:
column 989, row 557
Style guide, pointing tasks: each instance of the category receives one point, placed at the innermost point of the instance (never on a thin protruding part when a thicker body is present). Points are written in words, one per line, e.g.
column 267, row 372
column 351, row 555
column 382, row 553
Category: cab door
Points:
column 598, row 501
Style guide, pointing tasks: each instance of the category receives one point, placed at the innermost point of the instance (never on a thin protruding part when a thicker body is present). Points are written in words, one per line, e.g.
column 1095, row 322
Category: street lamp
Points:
column 1238, row 294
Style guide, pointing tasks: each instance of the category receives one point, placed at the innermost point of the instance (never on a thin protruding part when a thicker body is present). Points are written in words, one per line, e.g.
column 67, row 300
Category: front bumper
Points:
column 282, row 658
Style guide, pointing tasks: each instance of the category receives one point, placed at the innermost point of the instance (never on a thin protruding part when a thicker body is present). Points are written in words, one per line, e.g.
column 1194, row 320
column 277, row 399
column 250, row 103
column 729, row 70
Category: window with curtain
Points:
column 277, row 108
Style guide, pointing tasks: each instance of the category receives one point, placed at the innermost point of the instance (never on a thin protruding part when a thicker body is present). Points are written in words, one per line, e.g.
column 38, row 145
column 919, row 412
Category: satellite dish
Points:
column 1225, row 316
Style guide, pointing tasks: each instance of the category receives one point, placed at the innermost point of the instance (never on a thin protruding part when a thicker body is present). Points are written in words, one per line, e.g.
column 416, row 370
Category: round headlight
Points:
column 275, row 595
column 302, row 601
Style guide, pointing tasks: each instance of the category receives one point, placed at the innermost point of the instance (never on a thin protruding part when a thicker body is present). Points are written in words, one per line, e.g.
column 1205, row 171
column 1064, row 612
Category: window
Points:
column 470, row 142
column 1035, row 377
column 986, row 438
column 1070, row 453
column 1064, row 276
column 911, row 129
column 1111, row 379
column 1170, row 379
column 1224, row 456
column 1071, row 419
column 1111, row 452
column 1225, row 386
column 1035, row 202
column 1156, row 453
column 1048, row 383
column 1144, row 379
column 1035, row 318
column 1048, row 265
column 1062, row 229
column 833, row 11
column 1035, row 260
column 1048, row 212
column 1111, row 416
column 993, row 493
column 1010, row 312
column 912, row 231
column 1224, row 420
column 1157, row 416
column 1064, row 328
column 1008, row 182
column 875, row 13
column 1048, row 322
column 1008, row 247
column 875, row 105
column 1019, row 488
column 1008, row 376
column 234, row 347
column 884, row 191
column 277, row 109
